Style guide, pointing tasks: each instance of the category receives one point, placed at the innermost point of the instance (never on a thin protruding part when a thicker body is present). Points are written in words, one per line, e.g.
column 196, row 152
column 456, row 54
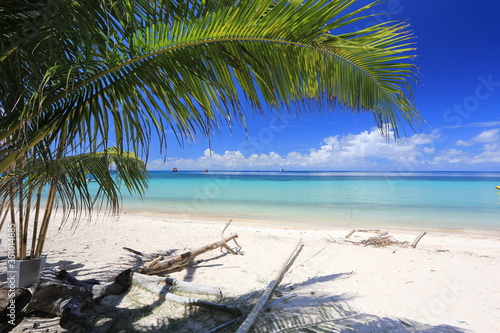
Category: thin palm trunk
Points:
column 13, row 216
column 50, row 200
column 20, row 205
column 5, row 209
column 27, row 221
column 35, row 221
column 46, row 219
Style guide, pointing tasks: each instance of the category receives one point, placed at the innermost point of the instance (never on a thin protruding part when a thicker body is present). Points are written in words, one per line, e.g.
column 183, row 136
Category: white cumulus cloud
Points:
column 365, row 150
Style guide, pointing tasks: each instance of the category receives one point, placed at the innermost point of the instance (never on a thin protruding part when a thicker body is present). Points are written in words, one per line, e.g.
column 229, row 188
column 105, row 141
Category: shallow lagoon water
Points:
column 437, row 200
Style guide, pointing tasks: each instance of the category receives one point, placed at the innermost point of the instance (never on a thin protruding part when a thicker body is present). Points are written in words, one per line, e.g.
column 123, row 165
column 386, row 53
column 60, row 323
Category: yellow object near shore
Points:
column 498, row 187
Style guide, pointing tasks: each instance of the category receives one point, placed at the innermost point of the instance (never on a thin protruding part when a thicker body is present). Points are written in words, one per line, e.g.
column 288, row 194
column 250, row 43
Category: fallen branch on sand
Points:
column 382, row 239
column 159, row 265
column 165, row 288
column 250, row 319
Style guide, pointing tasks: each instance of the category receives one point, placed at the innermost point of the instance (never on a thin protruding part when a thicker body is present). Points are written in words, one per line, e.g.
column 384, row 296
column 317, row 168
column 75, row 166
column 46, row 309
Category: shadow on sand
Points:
column 141, row 311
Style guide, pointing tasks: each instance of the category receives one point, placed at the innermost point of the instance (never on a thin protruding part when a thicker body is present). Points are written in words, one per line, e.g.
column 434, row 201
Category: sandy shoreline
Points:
column 449, row 283
column 313, row 225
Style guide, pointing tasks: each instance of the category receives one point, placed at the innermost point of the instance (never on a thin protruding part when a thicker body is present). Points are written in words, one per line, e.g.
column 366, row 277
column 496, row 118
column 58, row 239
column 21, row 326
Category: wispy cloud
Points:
column 367, row 150
column 484, row 124
column 364, row 150
column 488, row 136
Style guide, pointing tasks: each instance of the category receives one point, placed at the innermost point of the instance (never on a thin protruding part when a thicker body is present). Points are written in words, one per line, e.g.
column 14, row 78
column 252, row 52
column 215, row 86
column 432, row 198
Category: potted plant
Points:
column 41, row 182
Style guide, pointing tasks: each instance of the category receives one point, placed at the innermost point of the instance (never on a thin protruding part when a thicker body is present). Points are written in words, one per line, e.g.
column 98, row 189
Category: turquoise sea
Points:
column 422, row 200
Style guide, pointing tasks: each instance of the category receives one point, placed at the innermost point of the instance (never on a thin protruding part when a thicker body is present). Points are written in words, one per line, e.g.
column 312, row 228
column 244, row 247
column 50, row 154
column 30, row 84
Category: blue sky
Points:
column 458, row 95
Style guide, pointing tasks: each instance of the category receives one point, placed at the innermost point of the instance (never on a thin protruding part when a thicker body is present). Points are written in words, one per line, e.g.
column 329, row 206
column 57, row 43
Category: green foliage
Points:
column 76, row 75
column 65, row 179
column 122, row 70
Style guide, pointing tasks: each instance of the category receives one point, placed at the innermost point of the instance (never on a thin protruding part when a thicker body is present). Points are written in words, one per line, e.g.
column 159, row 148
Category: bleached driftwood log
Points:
column 160, row 265
column 417, row 239
column 373, row 231
column 165, row 288
column 250, row 319
column 159, row 284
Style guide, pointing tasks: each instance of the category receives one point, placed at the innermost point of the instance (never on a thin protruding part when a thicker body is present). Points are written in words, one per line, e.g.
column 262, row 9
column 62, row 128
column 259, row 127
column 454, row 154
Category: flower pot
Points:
column 24, row 273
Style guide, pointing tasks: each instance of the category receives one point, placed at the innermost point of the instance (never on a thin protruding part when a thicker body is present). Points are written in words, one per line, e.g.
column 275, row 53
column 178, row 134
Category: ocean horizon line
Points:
column 452, row 174
column 323, row 171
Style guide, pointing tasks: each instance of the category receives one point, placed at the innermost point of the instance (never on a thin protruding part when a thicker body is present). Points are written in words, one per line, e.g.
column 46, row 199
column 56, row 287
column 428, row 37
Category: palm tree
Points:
column 76, row 75
column 96, row 71
column 65, row 180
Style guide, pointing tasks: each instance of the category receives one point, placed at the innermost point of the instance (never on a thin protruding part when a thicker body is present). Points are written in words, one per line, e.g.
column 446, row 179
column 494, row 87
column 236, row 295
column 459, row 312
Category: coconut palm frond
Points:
column 65, row 181
column 109, row 169
column 157, row 70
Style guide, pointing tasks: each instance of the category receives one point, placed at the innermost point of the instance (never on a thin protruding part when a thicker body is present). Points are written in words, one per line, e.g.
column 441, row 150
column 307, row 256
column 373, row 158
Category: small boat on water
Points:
column 498, row 187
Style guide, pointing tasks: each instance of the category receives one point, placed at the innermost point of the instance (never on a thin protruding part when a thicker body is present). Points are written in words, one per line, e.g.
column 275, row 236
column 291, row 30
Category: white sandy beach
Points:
column 449, row 283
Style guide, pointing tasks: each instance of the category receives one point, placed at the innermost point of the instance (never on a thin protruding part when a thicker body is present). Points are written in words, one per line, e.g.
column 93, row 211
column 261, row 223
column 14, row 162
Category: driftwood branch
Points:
column 373, row 231
column 382, row 239
column 419, row 237
column 249, row 321
column 165, row 288
column 157, row 284
column 159, row 265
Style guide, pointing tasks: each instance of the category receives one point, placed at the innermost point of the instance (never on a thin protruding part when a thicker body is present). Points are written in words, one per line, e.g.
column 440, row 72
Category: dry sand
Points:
column 449, row 283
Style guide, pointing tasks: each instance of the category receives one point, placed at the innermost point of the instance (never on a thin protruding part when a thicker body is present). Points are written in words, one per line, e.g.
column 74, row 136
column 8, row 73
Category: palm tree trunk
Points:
column 20, row 205
column 35, row 221
column 5, row 209
column 46, row 219
column 51, row 199
column 27, row 220
column 13, row 216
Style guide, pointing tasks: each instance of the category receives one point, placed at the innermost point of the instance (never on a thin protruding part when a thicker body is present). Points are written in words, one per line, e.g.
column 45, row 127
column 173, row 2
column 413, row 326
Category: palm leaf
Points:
column 187, row 66
column 66, row 180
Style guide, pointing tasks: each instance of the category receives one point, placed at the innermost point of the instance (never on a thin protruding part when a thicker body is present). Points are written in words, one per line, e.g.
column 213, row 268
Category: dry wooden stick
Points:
column 350, row 233
column 157, row 284
column 225, row 244
column 153, row 263
column 373, row 231
column 419, row 237
column 161, row 265
column 247, row 324
column 178, row 262
column 161, row 287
